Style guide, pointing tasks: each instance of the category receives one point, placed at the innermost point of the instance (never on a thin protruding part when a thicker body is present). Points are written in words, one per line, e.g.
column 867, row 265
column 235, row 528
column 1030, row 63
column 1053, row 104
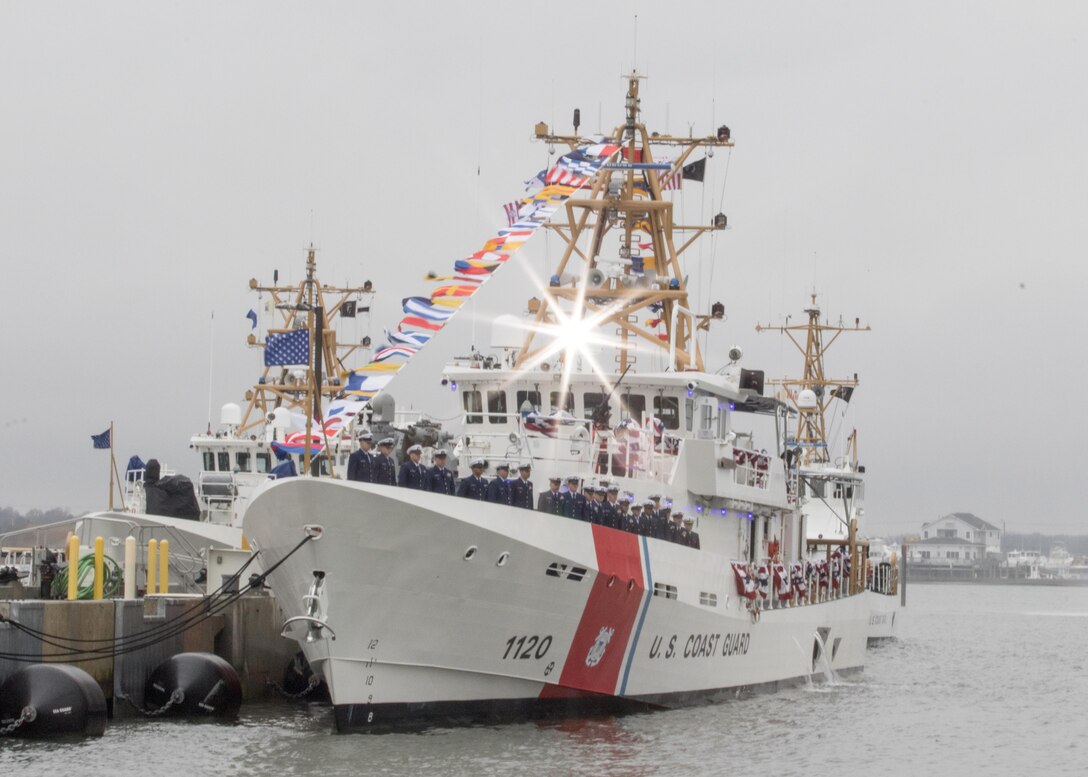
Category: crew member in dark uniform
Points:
column 595, row 504
column 630, row 516
column 673, row 532
column 385, row 469
column 521, row 490
column 693, row 536
column 412, row 473
column 551, row 501
column 661, row 523
column 610, row 509
column 646, row 521
column 474, row 486
column 361, row 462
column 498, row 490
column 575, row 505
column 439, row 480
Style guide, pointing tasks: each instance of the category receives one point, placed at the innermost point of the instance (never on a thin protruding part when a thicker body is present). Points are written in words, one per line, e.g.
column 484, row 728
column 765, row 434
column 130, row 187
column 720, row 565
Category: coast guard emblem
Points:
column 596, row 653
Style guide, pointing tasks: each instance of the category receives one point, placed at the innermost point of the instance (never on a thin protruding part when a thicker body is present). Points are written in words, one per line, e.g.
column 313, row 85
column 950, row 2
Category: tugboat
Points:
column 419, row 607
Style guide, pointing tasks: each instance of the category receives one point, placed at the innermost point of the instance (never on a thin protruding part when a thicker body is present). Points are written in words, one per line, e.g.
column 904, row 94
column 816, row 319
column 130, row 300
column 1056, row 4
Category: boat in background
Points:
column 830, row 481
column 419, row 607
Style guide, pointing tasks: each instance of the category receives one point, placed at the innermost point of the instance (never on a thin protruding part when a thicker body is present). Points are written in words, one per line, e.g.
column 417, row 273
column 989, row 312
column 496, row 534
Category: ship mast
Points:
column 314, row 306
column 616, row 288
column 811, row 435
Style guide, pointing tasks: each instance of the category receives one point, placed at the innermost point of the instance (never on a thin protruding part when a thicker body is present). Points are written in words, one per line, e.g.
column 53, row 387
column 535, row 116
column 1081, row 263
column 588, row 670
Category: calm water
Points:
column 985, row 680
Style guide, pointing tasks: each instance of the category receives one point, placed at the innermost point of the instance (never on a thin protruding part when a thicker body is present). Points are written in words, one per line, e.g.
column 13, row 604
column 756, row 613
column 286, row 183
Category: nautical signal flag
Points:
column 101, row 440
column 287, row 348
column 843, row 392
column 252, row 316
column 347, row 310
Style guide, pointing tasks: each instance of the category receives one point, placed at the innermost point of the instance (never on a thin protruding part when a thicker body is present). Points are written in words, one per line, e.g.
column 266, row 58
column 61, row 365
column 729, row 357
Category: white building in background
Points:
column 957, row 539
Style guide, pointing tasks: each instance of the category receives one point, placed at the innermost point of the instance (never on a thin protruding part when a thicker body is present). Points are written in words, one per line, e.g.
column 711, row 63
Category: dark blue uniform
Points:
column 579, row 507
column 361, row 466
column 498, row 491
column 472, row 487
column 385, row 471
column 646, row 525
column 411, row 475
column 630, row 523
column 672, row 533
column 438, row 480
column 659, row 526
column 610, row 515
column 593, row 512
column 693, row 539
column 521, row 493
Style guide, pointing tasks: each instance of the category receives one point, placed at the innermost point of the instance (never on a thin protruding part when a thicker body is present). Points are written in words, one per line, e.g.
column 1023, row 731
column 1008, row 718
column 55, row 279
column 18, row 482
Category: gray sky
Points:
column 923, row 164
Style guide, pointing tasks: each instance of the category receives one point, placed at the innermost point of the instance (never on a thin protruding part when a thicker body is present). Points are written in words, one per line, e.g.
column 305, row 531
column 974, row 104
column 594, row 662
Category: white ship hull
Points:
column 546, row 615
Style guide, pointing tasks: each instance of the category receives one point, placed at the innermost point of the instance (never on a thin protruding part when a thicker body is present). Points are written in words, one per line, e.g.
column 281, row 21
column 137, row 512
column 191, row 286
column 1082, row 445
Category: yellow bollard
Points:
column 164, row 567
column 73, row 568
column 130, row 567
column 152, row 566
column 99, row 552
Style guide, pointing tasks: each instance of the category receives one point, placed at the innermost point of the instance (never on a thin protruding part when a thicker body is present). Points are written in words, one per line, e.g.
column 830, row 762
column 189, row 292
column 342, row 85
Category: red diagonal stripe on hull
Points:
column 614, row 607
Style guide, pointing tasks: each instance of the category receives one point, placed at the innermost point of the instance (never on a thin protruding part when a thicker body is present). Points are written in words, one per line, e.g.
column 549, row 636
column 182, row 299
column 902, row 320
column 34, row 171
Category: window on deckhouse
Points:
column 532, row 397
column 633, row 406
column 496, row 403
column 590, row 402
column 667, row 409
column 473, row 406
column 568, row 402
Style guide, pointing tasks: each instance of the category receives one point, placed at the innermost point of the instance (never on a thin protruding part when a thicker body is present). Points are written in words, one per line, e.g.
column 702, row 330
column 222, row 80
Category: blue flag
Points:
column 252, row 316
column 101, row 440
column 287, row 348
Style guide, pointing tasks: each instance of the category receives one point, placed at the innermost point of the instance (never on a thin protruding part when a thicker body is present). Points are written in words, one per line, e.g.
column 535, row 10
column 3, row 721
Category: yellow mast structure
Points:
column 613, row 207
column 303, row 306
column 811, row 435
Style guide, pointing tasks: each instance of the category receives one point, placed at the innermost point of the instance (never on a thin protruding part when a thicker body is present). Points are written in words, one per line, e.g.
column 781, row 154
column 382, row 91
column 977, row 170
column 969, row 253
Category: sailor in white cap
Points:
column 412, row 472
column 498, row 490
column 521, row 489
column 574, row 502
column 439, row 480
column 474, row 486
column 693, row 536
column 551, row 501
column 385, row 469
column 361, row 462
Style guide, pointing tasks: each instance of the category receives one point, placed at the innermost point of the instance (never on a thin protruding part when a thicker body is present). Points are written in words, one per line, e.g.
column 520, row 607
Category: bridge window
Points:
column 243, row 461
column 668, row 410
column 568, row 402
column 532, row 397
column 263, row 462
column 473, row 405
column 591, row 402
column 633, row 406
column 209, row 461
column 224, row 462
column 496, row 403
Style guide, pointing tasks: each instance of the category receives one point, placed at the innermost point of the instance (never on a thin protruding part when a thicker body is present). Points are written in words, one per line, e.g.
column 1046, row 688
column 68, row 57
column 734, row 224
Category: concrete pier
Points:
column 246, row 633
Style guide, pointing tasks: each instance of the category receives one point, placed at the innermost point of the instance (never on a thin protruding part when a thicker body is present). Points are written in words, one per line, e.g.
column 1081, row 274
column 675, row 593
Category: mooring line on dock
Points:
column 117, row 646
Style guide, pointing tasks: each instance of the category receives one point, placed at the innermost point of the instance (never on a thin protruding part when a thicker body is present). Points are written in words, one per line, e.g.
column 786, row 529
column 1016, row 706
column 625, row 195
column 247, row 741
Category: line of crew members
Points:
column 594, row 504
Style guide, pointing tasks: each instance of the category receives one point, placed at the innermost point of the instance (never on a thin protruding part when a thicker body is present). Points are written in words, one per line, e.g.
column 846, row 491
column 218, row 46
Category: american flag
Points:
column 512, row 209
column 287, row 348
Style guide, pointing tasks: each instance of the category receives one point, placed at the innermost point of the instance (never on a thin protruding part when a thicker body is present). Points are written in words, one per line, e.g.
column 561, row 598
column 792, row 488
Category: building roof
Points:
column 969, row 518
column 947, row 541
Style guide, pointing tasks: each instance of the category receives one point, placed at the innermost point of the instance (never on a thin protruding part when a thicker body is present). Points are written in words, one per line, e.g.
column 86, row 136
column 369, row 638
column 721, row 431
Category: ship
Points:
column 829, row 476
column 423, row 608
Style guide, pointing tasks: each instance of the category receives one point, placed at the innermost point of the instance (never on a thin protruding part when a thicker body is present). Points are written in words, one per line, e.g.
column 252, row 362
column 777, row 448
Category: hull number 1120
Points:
column 527, row 647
